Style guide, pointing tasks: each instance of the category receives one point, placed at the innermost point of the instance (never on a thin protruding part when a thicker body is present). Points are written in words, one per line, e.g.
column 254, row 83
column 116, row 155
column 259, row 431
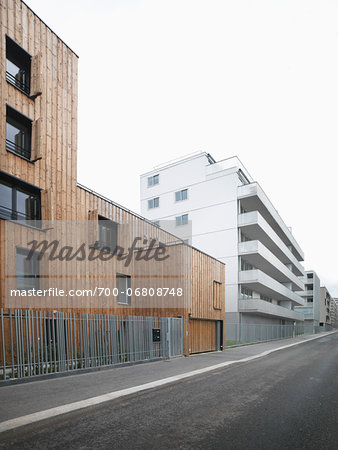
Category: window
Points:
column 310, row 299
column 153, row 180
column 243, row 210
column 309, row 287
column 107, row 233
column 266, row 298
column 18, row 66
column 18, row 133
column 310, row 275
column 245, row 292
column 123, row 284
column 18, row 200
column 217, row 298
column 181, row 195
column 182, row 220
column 27, row 270
column 243, row 237
column 154, row 203
column 246, row 266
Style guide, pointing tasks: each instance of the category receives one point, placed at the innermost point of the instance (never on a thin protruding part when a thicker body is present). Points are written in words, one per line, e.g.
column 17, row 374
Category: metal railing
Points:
column 12, row 147
column 43, row 342
column 12, row 214
column 17, row 83
column 247, row 333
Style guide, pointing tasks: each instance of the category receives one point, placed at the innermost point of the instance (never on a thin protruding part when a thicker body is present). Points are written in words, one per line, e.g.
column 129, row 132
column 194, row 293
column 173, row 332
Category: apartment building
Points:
column 219, row 208
column 325, row 306
column 312, row 298
column 334, row 312
column 41, row 200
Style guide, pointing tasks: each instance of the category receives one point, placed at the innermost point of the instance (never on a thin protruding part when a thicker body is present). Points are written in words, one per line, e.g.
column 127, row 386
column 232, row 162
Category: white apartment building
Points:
column 218, row 208
column 334, row 312
column 325, row 305
column 311, row 296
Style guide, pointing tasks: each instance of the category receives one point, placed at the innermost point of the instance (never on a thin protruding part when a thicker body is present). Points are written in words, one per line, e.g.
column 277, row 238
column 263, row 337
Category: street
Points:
column 287, row 400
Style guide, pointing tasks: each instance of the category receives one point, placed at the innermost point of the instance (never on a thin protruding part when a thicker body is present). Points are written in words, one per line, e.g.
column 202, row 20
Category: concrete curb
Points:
column 64, row 409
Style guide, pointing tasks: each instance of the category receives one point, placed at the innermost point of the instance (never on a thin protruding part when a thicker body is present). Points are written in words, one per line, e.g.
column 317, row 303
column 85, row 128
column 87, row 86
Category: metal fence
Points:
column 247, row 333
column 40, row 342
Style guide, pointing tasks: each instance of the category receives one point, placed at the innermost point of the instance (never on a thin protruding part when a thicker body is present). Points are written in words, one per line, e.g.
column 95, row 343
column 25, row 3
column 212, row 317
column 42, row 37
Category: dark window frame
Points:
column 20, row 121
column 123, row 298
column 34, row 259
column 110, row 244
column 18, row 185
column 18, row 56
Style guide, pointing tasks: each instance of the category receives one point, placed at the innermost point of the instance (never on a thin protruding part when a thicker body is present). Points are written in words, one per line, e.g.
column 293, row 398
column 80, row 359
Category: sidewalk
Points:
column 28, row 398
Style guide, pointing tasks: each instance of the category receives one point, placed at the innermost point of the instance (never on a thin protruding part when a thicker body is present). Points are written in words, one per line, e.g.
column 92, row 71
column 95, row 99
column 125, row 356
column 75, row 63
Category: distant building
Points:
column 334, row 312
column 325, row 305
column 218, row 208
column 311, row 295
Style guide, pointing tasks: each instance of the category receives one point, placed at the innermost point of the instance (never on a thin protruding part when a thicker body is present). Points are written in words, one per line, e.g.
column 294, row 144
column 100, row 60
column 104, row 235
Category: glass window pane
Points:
column 27, row 270
column 25, row 205
column 17, row 136
column 5, row 200
column 122, row 284
column 12, row 131
column 177, row 196
column 17, row 73
column 184, row 194
column 107, row 233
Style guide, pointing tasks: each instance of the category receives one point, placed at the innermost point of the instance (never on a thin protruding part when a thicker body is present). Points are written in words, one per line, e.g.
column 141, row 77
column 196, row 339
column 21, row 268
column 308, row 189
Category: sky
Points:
column 159, row 79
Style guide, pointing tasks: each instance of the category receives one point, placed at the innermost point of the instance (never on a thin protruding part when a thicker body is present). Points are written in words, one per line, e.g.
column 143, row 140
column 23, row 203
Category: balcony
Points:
column 227, row 165
column 306, row 311
column 256, row 254
column 264, row 308
column 306, row 293
column 255, row 227
column 260, row 282
column 253, row 198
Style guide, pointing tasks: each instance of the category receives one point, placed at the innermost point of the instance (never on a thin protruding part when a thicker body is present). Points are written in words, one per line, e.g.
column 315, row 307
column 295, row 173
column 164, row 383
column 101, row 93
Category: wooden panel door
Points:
column 202, row 336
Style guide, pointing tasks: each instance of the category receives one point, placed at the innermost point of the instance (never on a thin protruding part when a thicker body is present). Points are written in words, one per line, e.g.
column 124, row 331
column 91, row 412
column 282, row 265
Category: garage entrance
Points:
column 205, row 335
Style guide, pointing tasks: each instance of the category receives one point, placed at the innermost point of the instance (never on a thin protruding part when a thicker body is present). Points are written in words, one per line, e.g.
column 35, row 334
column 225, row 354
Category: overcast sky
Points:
column 259, row 79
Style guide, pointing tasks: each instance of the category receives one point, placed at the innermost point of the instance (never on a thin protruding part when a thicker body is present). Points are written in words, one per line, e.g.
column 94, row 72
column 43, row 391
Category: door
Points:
column 203, row 336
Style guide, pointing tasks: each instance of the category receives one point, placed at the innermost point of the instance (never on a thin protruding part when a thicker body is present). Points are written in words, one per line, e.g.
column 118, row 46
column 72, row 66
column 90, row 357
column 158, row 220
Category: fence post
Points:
column 3, row 344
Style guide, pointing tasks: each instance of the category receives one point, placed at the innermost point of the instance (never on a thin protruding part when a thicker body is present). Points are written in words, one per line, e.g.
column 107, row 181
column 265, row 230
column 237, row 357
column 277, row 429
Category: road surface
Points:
column 287, row 400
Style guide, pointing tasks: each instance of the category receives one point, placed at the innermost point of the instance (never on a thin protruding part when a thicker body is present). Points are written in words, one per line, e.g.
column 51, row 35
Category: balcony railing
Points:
column 17, row 83
column 11, row 214
column 21, row 151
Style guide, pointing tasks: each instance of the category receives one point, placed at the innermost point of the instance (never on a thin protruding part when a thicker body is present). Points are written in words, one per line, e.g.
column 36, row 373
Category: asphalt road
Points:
column 287, row 400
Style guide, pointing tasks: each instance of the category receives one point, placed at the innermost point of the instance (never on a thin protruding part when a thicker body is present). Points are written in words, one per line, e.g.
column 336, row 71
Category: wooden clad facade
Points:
column 71, row 213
